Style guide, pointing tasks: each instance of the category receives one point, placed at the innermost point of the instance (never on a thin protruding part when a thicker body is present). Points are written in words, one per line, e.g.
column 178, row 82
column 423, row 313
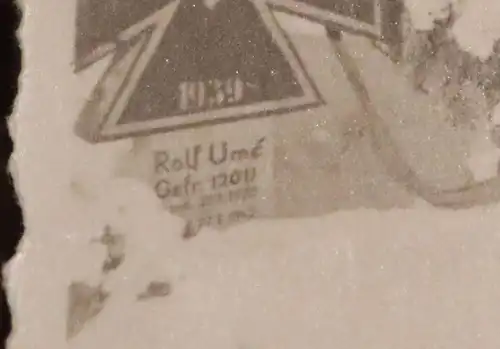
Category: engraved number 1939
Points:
column 209, row 94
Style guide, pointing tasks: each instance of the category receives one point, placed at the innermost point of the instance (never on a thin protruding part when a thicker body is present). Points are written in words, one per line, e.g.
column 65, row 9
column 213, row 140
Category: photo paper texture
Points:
column 256, row 174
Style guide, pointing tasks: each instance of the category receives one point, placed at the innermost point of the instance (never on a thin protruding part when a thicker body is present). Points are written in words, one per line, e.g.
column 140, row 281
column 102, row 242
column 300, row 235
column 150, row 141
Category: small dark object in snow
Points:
column 112, row 263
column 115, row 244
column 155, row 289
column 189, row 231
column 84, row 304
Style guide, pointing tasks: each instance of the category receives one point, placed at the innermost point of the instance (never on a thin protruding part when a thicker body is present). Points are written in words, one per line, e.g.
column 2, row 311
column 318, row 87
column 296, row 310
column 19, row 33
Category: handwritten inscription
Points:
column 188, row 187
column 221, row 219
column 210, row 94
column 214, row 184
column 235, row 177
column 218, row 154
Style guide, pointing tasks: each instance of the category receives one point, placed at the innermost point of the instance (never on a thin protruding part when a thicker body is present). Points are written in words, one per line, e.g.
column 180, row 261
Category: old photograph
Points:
column 250, row 174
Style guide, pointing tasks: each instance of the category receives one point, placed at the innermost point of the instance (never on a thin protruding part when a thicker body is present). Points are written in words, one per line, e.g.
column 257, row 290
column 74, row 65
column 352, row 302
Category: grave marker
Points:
column 184, row 64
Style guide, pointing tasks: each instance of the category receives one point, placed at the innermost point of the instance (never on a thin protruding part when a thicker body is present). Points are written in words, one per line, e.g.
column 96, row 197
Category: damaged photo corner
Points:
column 257, row 174
column 10, row 208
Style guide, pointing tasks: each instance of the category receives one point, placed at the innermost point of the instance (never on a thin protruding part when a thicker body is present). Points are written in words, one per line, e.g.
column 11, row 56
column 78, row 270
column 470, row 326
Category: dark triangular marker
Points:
column 84, row 304
column 189, row 65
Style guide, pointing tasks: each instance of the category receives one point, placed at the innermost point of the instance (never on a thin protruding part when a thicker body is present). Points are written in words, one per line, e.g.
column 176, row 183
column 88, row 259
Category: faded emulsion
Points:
column 208, row 68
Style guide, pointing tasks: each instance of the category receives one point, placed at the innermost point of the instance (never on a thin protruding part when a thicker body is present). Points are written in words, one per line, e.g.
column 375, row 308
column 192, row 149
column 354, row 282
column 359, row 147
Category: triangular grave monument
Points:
column 191, row 63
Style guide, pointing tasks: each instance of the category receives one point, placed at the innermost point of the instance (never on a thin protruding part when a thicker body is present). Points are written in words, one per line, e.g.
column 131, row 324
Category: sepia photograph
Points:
column 252, row 174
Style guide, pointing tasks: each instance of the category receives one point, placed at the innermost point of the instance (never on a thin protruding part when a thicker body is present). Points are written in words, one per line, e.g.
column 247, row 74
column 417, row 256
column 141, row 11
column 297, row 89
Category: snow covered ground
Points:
column 357, row 262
